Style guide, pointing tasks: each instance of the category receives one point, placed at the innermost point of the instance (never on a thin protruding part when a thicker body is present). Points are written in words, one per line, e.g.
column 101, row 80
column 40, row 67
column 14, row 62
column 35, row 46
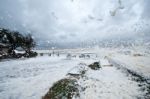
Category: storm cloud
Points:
column 76, row 20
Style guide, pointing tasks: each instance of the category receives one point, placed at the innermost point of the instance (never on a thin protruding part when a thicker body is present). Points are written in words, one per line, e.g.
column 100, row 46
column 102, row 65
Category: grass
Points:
column 63, row 89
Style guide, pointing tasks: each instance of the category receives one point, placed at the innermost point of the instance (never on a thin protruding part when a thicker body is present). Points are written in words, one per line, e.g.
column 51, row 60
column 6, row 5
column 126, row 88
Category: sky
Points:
column 76, row 20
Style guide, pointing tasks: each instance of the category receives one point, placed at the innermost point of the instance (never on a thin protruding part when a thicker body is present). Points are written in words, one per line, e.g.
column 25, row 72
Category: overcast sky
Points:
column 76, row 20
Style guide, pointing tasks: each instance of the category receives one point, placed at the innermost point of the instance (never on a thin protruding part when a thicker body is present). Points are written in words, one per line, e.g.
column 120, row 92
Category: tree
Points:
column 18, row 39
column 29, row 43
column 14, row 39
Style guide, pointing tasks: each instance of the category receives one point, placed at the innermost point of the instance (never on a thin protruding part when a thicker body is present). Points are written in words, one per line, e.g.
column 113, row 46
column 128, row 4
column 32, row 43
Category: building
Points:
column 4, row 49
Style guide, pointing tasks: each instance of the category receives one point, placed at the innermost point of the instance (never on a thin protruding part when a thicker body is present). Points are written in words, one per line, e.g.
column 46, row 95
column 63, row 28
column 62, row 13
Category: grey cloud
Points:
column 75, row 21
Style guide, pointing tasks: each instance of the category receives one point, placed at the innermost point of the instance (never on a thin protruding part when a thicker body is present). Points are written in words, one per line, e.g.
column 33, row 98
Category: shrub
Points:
column 31, row 54
column 95, row 66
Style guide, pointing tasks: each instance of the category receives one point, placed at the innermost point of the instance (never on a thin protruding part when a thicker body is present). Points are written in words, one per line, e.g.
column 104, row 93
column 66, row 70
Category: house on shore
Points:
column 4, row 49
